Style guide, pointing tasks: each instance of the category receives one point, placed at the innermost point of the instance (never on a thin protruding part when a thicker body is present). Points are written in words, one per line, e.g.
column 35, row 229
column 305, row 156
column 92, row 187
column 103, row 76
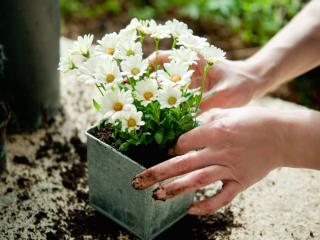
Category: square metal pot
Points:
column 111, row 193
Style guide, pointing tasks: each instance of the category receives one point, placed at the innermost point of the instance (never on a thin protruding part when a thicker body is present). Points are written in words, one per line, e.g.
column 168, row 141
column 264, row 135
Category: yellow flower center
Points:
column 172, row 100
column 117, row 106
column 110, row 51
column 175, row 78
column 132, row 122
column 130, row 52
column 135, row 71
column 110, row 78
column 148, row 95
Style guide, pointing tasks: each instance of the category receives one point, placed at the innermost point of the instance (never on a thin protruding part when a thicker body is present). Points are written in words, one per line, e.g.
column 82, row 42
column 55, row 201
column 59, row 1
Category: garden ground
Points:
column 44, row 194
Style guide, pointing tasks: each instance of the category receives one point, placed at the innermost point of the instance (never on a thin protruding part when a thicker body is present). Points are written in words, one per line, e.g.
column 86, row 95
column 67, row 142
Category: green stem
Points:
column 157, row 41
column 203, row 79
column 142, row 37
column 174, row 43
column 99, row 86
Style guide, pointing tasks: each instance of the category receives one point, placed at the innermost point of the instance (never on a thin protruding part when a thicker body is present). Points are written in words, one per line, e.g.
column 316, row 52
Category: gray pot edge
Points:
column 111, row 148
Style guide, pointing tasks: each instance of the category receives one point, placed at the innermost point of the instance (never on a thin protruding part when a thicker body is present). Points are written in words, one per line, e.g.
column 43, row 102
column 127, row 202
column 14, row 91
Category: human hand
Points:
column 237, row 146
column 227, row 84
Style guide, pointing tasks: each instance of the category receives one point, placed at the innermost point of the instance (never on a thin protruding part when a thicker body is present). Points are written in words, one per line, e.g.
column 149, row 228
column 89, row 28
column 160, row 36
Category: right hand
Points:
column 228, row 83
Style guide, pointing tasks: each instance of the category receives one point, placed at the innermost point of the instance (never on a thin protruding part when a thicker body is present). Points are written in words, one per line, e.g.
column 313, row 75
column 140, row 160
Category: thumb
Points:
column 160, row 59
column 213, row 99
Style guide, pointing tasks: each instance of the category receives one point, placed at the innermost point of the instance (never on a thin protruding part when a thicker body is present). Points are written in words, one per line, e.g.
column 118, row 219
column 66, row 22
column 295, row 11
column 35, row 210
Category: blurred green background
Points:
column 239, row 27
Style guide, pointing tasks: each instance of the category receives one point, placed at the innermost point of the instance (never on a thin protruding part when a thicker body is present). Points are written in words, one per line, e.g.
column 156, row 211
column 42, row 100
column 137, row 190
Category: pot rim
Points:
column 111, row 148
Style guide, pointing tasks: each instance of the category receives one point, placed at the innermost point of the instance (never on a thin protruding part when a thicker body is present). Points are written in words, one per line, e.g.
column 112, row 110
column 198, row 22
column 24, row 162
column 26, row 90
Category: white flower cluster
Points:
column 123, row 76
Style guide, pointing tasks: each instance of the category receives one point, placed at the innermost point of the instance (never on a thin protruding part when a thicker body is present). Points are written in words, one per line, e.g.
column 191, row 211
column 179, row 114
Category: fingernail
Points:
column 159, row 194
column 194, row 211
column 136, row 183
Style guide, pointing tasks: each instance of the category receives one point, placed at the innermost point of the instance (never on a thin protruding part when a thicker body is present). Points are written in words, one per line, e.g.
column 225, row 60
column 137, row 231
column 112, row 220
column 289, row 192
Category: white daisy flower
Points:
column 67, row 63
column 175, row 74
column 87, row 71
column 193, row 42
column 184, row 56
column 109, row 73
column 83, row 44
column 177, row 28
column 194, row 91
column 131, row 120
column 128, row 35
column 115, row 101
column 158, row 31
column 108, row 44
column 128, row 49
column 213, row 54
column 71, row 61
column 147, row 91
column 170, row 97
column 134, row 66
column 141, row 26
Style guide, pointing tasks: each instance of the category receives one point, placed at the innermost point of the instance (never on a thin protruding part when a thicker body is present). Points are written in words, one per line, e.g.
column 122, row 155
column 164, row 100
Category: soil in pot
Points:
column 147, row 156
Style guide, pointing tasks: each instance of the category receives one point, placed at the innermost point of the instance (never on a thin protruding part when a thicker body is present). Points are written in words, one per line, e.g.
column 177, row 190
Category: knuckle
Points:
column 176, row 190
column 221, row 127
column 151, row 174
column 181, row 163
column 231, row 153
column 185, row 162
column 202, row 177
column 183, row 142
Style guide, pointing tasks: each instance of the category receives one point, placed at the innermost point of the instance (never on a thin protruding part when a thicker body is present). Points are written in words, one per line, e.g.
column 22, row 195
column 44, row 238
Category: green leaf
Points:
column 96, row 105
column 124, row 147
column 159, row 137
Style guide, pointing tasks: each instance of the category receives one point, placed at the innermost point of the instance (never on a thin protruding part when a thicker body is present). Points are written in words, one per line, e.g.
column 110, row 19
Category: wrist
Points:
column 301, row 139
column 266, row 68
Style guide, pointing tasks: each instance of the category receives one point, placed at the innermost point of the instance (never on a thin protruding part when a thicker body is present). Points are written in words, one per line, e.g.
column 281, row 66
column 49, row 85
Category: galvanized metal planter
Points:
column 111, row 193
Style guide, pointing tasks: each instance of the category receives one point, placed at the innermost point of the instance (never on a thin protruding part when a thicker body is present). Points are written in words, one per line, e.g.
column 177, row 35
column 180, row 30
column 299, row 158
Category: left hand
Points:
column 237, row 146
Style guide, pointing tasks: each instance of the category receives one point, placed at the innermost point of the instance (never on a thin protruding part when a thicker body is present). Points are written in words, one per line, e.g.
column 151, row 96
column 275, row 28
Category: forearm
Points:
column 302, row 139
column 293, row 51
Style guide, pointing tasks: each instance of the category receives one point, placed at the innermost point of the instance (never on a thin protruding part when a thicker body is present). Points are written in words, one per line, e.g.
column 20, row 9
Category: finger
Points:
column 210, row 115
column 160, row 59
column 195, row 139
column 229, row 191
column 214, row 99
column 174, row 167
column 192, row 181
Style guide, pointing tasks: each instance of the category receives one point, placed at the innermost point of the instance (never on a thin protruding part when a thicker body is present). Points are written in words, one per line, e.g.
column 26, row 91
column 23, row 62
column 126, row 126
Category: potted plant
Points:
column 145, row 108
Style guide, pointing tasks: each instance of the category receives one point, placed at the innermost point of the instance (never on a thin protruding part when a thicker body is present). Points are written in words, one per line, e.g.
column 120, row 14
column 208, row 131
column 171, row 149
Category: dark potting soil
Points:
column 22, row 160
column 71, row 177
column 39, row 216
column 80, row 147
column 147, row 156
